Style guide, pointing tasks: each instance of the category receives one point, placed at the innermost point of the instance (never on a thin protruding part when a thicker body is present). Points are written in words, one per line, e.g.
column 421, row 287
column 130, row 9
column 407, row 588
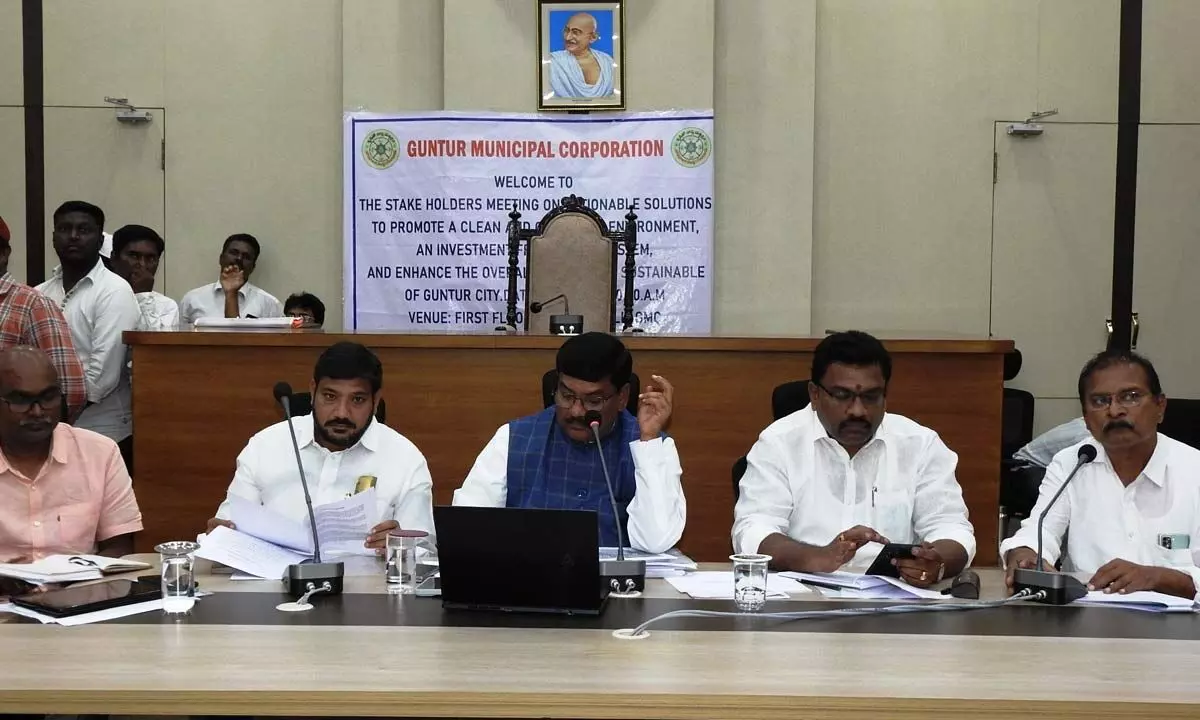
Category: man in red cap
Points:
column 29, row 318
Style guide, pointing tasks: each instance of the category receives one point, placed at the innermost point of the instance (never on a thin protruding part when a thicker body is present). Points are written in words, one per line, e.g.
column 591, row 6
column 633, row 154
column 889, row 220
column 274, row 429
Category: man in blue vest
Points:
column 550, row 459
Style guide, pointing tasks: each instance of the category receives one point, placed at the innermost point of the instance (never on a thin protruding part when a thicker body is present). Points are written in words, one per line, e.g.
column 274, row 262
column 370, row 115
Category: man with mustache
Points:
column 63, row 490
column 99, row 307
column 550, row 459
column 1133, row 512
column 233, row 295
column 580, row 70
column 823, row 482
column 340, row 442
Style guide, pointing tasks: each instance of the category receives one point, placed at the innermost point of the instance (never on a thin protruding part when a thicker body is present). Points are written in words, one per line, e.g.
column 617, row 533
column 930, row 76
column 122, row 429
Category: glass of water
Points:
column 750, row 581
column 178, row 575
column 400, row 571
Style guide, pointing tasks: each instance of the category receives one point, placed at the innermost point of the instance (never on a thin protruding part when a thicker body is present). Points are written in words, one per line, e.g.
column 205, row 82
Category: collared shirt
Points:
column 802, row 483
column 1109, row 520
column 29, row 318
column 267, row 474
column 656, row 514
column 209, row 301
column 159, row 312
column 80, row 497
column 99, row 309
column 1040, row 451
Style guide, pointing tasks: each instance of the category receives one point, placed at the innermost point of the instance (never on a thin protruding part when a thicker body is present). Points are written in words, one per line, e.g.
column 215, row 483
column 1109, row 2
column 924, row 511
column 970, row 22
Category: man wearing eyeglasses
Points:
column 550, row 459
column 63, row 490
column 1134, row 511
column 826, row 484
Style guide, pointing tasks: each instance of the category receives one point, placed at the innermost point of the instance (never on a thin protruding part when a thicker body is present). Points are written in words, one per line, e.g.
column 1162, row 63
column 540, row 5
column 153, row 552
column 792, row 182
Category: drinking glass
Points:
column 178, row 576
column 400, row 571
column 750, row 581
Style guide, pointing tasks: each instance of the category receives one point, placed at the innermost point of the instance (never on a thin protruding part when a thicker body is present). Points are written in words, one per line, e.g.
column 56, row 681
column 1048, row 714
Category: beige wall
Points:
column 12, row 132
column 854, row 137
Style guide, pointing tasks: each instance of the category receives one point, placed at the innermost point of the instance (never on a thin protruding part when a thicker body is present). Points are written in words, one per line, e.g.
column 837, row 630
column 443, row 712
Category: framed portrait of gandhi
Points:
column 581, row 55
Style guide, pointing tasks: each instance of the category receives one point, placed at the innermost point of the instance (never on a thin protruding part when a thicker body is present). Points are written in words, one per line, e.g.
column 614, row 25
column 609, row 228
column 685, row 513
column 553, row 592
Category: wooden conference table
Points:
column 367, row 653
column 199, row 396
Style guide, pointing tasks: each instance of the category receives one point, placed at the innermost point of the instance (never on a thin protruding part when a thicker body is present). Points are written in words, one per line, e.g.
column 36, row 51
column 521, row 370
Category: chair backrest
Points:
column 572, row 256
column 1182, row 421
column 788, row 398
column 550, row 384
column 301, row 404
column 1016, row 421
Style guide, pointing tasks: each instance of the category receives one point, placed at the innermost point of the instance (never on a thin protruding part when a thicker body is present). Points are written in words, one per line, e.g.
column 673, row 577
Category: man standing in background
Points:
column 232, row 296
column 99, row 306
column 28, row 318
column 136, row 252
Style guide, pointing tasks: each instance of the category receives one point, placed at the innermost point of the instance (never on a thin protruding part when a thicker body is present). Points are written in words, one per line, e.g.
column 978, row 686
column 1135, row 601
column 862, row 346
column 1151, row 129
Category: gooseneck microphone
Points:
column 1059, row 588
column 621, row 577
column 536, row 307
column 307, row 578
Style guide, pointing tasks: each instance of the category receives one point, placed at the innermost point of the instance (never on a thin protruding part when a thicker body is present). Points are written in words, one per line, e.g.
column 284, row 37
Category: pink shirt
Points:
column 82, row 495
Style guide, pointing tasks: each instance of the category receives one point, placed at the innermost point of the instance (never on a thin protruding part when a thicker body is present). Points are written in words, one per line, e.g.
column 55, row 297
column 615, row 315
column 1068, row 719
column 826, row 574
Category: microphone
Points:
column 317, row 576
column 621, row 577
column 1059, row 588
column 965, row 586
column 536, row 307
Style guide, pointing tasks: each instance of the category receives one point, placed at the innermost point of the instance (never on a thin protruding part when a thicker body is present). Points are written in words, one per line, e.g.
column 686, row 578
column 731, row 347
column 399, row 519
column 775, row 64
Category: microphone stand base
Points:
column 304, row 578
column 1060, row 588
column 622, row 578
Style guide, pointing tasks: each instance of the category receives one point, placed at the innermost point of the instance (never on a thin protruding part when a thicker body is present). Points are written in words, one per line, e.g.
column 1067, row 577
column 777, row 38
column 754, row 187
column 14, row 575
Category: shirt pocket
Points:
column 892, row 514
column 73, row 528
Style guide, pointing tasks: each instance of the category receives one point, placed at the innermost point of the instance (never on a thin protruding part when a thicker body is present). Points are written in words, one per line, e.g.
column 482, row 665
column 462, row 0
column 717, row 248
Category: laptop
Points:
column 519, row 560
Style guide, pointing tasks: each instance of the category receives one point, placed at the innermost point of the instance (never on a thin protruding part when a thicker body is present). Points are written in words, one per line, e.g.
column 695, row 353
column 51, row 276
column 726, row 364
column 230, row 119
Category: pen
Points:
column 819, row 584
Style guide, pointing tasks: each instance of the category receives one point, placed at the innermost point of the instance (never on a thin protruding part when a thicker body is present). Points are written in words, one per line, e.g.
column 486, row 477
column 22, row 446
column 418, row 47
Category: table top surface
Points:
column 371, row 653
column 895, row 342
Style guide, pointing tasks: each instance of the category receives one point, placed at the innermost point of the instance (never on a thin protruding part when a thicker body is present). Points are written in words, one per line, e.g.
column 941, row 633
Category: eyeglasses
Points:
column 842, row 396
column 566, row 400
column 1125, row 398
column 22, row 403
column 76, row 560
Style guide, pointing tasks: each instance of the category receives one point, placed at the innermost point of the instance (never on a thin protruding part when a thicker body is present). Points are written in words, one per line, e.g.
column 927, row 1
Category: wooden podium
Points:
column 199, row 396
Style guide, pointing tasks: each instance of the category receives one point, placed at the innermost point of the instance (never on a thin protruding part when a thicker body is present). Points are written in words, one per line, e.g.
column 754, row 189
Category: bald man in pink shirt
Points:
column 63, row 490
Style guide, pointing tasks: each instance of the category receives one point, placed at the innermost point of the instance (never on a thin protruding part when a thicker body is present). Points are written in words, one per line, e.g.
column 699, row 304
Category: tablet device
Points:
column 80, row 599
column 883, row 561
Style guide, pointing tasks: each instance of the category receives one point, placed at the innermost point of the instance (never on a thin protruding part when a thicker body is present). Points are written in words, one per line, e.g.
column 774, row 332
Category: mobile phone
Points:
column 79, row 599
column 883, row 561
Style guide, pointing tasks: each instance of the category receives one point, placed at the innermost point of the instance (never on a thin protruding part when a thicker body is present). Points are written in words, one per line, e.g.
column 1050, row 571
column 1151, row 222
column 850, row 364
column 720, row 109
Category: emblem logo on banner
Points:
column 691, row 147
column 380, row 149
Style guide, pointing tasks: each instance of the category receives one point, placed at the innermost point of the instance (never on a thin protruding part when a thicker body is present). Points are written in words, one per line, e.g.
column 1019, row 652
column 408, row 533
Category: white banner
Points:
column 428, row 197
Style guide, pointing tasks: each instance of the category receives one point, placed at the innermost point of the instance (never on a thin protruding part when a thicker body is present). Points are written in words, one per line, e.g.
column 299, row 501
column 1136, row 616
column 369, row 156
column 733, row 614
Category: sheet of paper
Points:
column 850, row 581
column 55, row 568
column 718, row 585
column 254, row 519
column 1145, row 601
column 343, row 526
column 247, row 553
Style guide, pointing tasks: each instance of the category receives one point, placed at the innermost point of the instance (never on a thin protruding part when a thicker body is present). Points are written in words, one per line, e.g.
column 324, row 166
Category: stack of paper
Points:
column 658, row 565
column 265, row 543
column 69, row 568
column 1145, row 601
column 718, row 585
column 241, row 323
column 865, row 587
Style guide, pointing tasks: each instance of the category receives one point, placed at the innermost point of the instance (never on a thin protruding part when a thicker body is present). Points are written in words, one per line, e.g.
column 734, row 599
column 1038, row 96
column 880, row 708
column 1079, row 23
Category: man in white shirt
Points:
column 137, row 251
column 344, row 450
column 551, row 460
column 99, row 306
column 1134, row 512
column 233, row 295
column 823, row 482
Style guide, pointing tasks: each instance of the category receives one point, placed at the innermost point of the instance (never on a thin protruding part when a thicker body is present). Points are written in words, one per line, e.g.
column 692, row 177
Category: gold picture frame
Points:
column 581, row 55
